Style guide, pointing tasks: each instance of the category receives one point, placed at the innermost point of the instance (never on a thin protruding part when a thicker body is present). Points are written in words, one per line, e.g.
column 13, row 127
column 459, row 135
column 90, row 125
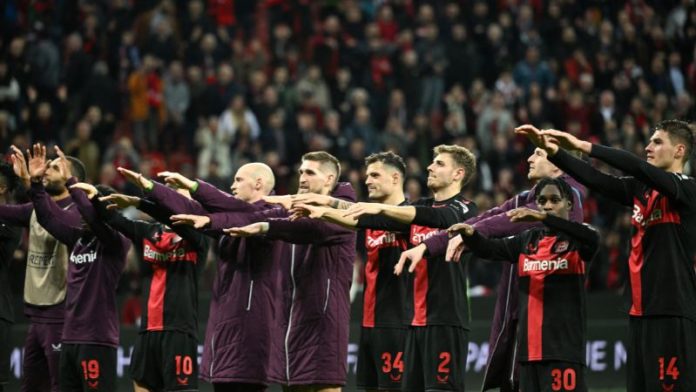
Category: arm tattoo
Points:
column 340, row 204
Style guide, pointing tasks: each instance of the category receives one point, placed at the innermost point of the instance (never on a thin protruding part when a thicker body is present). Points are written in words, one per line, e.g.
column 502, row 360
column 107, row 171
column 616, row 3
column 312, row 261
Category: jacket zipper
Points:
column 251, row 291
column 328, row 290
column 292, row 306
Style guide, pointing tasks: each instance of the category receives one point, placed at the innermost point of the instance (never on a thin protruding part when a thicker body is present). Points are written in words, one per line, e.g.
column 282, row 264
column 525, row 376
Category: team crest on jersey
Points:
column 560, row 247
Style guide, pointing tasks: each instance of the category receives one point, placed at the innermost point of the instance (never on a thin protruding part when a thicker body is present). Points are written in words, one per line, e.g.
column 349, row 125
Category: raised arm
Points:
column 215, row 200
column 171, row 200
column 99, row 227
column 51, row 217
column 306, row 231
column 586, row 235
column 161, row 215
column 612, row 187
column 669, row 184
column 16, row 214
column 505, row 249
column 135, row 230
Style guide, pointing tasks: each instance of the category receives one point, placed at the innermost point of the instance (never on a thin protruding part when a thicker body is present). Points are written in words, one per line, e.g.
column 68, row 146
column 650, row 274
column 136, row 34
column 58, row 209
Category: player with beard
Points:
column 662, row 286
column 311, row 348
column 382, row 338
column 437, row 301
column 9, row 241
column 45, row 280
column 551, row 262
column 98, row 255
column 164, row 357
column 502, row 365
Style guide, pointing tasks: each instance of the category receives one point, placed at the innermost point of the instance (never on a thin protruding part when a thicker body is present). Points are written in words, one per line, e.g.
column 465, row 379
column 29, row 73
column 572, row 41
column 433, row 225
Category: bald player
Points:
column 237, row 347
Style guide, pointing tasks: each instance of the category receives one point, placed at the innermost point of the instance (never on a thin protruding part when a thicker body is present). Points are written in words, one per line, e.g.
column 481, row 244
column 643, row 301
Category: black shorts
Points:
column 380, row 358
column 87, row 367
column 661, row 354
column 435, row 358
column 165, row 360
column 552, row 376
column 5, row 351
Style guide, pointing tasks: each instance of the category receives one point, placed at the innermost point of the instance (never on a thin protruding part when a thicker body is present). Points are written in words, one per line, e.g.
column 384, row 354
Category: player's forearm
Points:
column 173, row 201
column 576, row 230
column 592, row 178
column 632, row 165
column 215, row 200
column 336, row 216
column 401, row 214
column 340, row 204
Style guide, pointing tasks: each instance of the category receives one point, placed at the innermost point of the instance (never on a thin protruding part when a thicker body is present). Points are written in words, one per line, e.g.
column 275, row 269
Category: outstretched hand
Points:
column 19, row 165
column 283, row 201
column 455, row 248
column 567, row 141
column 300, row 210
column 119, row 201
column 311, row 198
column 413, row 256
column 524, row 214
column 177, row 180
column 89, row 189
column 63, row 164
column 546, row 143
column 197, row 221
column 37, row 161
column 136, row 178
column 461, row 228
column 359, row 209
column 248, row 230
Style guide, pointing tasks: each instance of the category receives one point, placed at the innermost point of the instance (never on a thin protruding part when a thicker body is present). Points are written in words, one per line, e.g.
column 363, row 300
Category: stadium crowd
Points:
column 203, row 86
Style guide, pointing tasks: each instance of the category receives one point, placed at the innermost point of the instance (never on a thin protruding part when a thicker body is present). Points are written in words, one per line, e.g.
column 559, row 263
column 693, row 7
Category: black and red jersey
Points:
column 437, row 292
column 663, row 244
column 171, row 260
column 385, row 293
column 551, row 264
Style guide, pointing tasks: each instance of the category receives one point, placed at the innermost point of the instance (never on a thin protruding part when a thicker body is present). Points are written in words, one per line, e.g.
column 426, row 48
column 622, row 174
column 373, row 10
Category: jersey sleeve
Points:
column 587, row 237
column 381, row 222
column 16, row 214
column 504, row 249
column 99, row 227
column 307, row 231
column 173, row 201
column 215, row 200
column 445, row 216
column 616, row 188
column 675, row 186
column 49, row 215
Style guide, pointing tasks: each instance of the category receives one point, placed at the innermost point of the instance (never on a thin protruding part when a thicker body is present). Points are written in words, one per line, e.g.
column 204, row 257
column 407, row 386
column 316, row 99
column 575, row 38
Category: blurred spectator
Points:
column 206, row 85
column 84, row 148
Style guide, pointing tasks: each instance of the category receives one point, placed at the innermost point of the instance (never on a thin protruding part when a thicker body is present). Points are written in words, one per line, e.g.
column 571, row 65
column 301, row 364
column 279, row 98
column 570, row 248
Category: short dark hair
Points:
column 77, row 168
column 324, row 158
column 559, row 183
column 679, row 132
column 388, row 158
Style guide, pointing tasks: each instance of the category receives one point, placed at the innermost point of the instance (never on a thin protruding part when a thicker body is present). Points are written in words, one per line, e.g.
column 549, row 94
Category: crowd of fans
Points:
column 202, row 86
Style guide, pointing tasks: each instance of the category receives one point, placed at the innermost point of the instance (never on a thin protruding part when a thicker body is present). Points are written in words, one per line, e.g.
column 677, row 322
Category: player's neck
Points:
column 447, row 192
column 394, row 199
